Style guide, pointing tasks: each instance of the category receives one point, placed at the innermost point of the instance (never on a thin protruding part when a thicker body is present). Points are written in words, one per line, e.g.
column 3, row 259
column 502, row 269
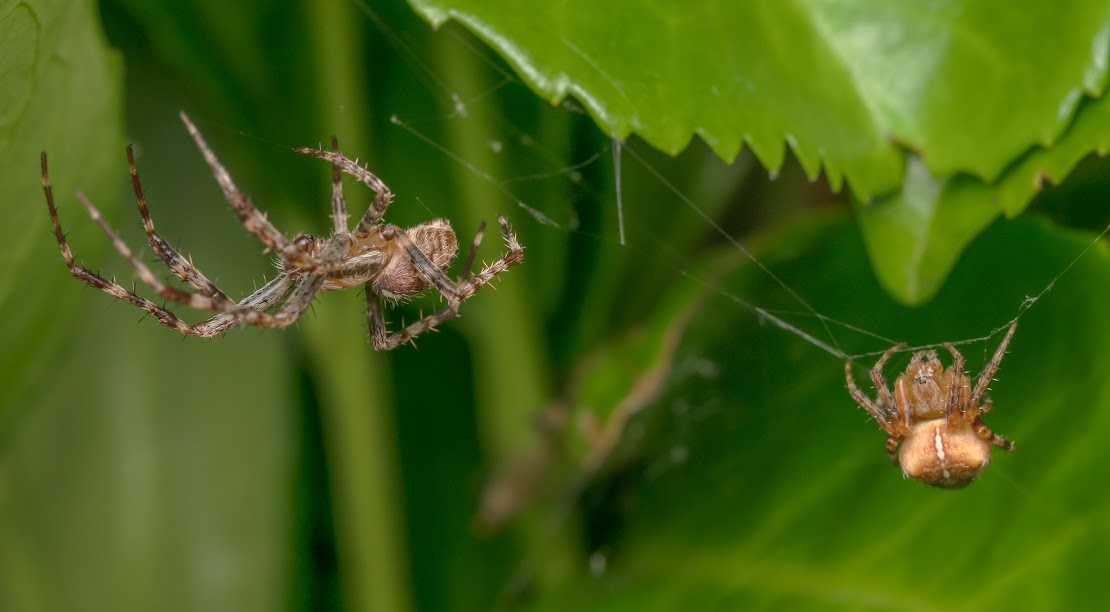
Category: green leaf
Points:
column 61, row 94
column 1089, row 133
column 981, row 94
column 969, row 85
column 914, row 238
column 760, row 485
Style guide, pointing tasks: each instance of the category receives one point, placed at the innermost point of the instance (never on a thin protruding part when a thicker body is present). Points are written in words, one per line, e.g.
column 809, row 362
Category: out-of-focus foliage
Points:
column 299, row 470
column 61, row 93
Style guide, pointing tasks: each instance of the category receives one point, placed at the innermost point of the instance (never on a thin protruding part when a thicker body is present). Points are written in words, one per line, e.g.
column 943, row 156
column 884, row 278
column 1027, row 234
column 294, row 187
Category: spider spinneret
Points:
column 390, row 262
column 933, row 418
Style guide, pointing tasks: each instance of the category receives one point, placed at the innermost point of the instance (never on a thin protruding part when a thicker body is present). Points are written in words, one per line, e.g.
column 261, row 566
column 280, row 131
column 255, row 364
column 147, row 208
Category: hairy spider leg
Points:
column 987, row 435
column 95, row 280
column 865, row 402
column 178, row 264
column 300, row 291
column 992, row 368
column 192, row 300
column 338, row 202
column 252, row 219
column 262, row 299
column 382, row 195
column 883, row 390
column 514, row 256
column 309, row 285
column 469, row 266
column 957, row 408
column 895, row 420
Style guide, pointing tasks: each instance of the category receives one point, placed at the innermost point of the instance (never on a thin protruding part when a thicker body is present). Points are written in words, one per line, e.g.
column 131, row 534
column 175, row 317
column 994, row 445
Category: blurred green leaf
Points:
column 132, row 487
column 61, row 94
column 760, row 485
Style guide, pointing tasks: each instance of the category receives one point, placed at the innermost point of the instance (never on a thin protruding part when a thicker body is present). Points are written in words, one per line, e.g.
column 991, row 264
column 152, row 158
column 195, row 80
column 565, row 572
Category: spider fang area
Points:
column 391, row 263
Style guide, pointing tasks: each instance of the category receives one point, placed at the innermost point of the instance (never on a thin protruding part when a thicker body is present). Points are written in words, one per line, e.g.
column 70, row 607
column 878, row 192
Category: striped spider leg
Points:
column 391, row 263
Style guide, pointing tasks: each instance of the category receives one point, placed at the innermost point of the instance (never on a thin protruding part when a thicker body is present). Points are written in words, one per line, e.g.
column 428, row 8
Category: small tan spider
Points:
column 392, row 264
column 936, row 416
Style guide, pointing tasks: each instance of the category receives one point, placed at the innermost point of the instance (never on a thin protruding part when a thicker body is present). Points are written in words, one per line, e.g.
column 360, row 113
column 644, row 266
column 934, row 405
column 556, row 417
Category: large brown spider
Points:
column 392, row 264
column 936, row 416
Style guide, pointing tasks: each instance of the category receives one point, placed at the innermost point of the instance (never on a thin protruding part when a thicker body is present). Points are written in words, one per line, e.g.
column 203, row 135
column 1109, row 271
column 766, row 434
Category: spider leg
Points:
column 300, row 294
column 513, row 257
column 338, row 203
column 865, row 402
column 309, row 285
column 956, row 410
column 992, row 368
column 178, row 264
column 218, row 303
column 468, row 267
column 382, row 340
column 902, row 409
column 987, row 435
column 303, row 293
column 877, row 379
column 382, row 195
column 252, row 219
column 95, row 280
column 379, row 333
column 261, row 300
column 988, row 404
column 892, row 449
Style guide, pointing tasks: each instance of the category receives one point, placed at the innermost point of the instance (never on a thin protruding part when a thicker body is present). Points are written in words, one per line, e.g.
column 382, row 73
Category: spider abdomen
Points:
column 399, row 277
column 943, row 456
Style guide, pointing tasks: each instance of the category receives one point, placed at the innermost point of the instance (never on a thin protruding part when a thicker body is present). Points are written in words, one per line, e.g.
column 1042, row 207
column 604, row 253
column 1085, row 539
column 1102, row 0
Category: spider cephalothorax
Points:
column 390, row 262
column 933, row 418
